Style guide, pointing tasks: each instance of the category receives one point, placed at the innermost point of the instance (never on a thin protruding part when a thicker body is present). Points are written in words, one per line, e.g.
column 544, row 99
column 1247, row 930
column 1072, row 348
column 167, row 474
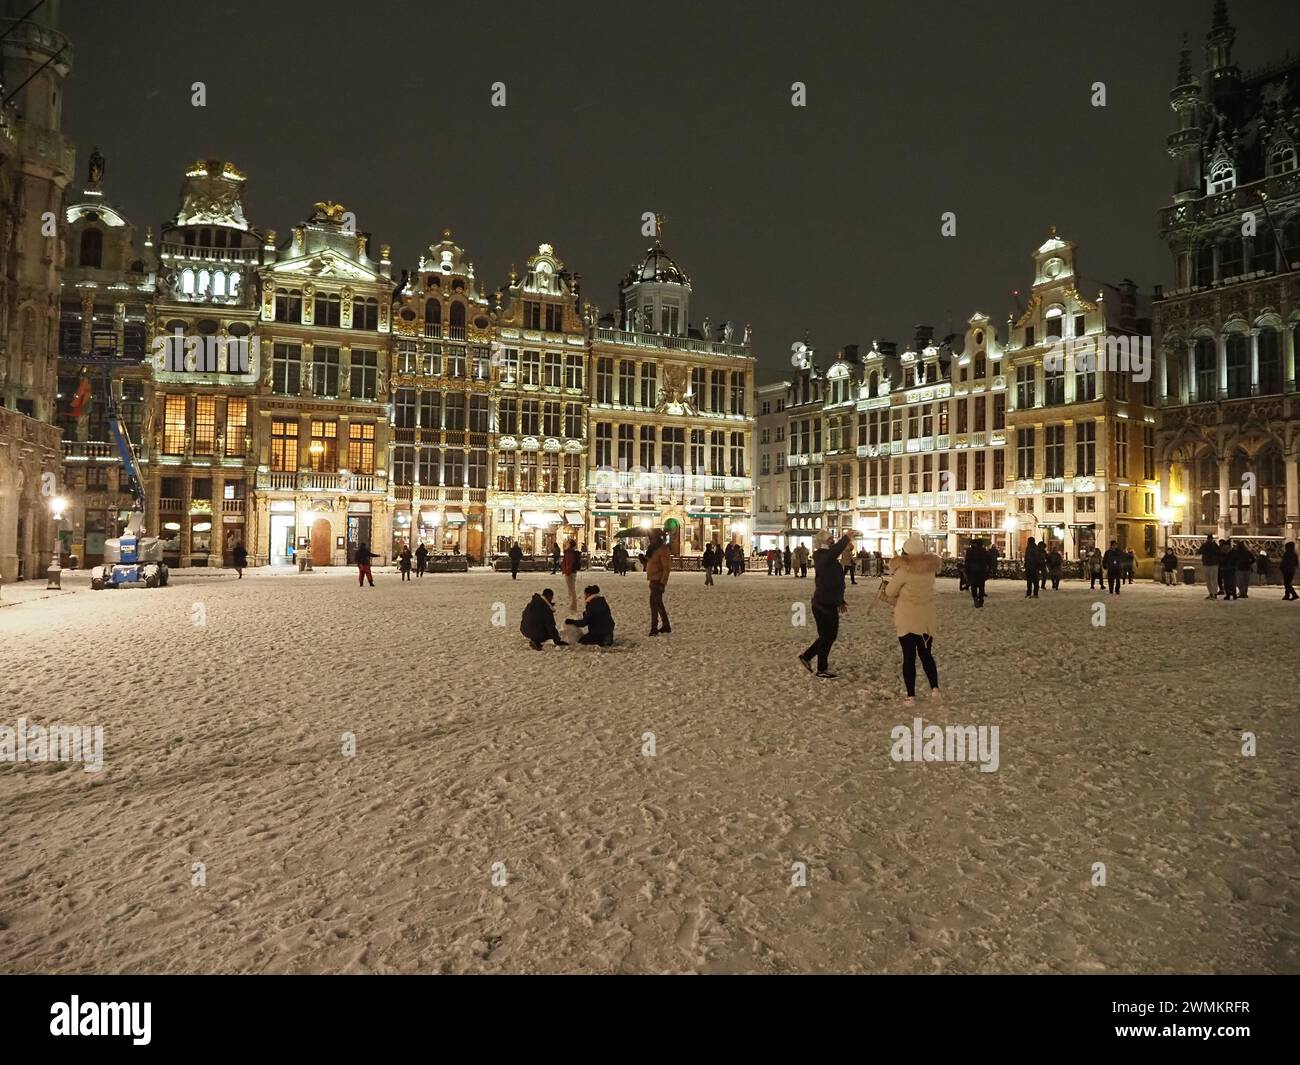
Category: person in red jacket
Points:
column 570, row 563
column 364, row 555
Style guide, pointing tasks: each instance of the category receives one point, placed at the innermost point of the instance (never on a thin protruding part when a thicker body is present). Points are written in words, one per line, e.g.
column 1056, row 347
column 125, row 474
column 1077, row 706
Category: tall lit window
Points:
column 1121, row 448
column 323, row 455
column 361, row 447
column 325, row 371
column 1085, row 449
column 627, row 382
column 1054, row 451
column 328, row 309
column 363, row 374
column 604, row 380
column 205, row 424
column 551, row 369
column 284, row 444
column 1025, row 453
column 286, row 369
column 236, row 425
column 174, row 430
column 573, row 375
column 649, row 385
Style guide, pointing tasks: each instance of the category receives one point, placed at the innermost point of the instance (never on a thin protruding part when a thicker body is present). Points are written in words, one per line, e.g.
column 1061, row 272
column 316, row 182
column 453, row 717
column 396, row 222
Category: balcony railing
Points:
column 281, row 480
column 232, row 506
column 89, row 451
column 673, row 343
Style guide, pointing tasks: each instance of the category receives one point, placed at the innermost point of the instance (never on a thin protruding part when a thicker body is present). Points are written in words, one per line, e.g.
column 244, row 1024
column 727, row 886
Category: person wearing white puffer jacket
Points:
column 910, row 592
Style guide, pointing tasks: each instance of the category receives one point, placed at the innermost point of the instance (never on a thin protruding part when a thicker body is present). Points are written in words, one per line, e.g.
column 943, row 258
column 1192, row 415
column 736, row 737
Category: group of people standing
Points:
column 716, row 556
column 1041, row 565
column 1228, row 564
column 420, row 556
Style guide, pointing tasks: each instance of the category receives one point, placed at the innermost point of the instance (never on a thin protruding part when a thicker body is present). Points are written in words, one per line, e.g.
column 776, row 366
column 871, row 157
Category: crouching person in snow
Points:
column 596, row 618
column 538, row 622
column 911, row 592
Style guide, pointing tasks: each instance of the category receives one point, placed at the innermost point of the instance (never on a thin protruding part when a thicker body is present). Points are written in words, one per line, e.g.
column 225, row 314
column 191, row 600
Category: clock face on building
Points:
column 1053, row 267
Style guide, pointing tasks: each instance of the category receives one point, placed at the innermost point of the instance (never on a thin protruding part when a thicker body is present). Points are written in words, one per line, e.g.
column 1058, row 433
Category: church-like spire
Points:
column 1185, row 62
column 1219, row 41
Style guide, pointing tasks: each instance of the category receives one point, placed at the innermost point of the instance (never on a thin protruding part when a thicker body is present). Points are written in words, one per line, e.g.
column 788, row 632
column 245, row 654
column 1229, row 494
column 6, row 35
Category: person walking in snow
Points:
column 516, row 556
column 1243, row 559
column 239, row 555
column 827, row 602
column 658, row 567
column 363, row 557
column 1130, row 566
column 1096, row 571
column 706, row 564
column 555, row 558
column 994, row 555
column 1032, row 576
column 1227, row 570
column 916, row 619
column 850, row 563
column 596, row 618
column 404, row 562
column 538, row 622
column 421, row 559
column 1288, row 568
column 1210, row 564
column 570, row 563
column 1054, row 563
column 787, row 560
column 801, row 560
column 977, row 570
column 1113, row 562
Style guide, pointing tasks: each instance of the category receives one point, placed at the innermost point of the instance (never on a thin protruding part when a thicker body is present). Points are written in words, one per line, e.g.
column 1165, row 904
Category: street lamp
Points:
column 54, row 576
column 1009, row 526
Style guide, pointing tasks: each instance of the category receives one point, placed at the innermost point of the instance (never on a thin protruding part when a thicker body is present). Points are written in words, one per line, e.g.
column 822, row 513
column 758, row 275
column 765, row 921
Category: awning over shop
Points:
column 541, row 517
column 429, row 517
column 455, row 517
column 634, row 531
column 769, row 530
column 1082, row 525
column 573, row 517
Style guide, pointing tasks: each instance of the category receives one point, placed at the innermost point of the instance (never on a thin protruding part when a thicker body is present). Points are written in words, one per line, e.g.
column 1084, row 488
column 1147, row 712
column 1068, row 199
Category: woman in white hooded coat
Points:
column 910, row 592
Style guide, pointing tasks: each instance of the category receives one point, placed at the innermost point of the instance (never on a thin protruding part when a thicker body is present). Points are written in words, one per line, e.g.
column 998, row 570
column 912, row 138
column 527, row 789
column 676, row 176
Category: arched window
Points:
column 365, row 313
column 205, row 238
column 1238, row 356
column 1282, row 158
column 1270, row 361
column 219, row 283
column 234, row 283
column 433, row 318
column 220, row 240
column 1269, row 506
column 205, row 280
column 1207, row 373
column 873, row 389
column 187, row 282
column 92, row 248
column 1222, row 175
column 457, row 321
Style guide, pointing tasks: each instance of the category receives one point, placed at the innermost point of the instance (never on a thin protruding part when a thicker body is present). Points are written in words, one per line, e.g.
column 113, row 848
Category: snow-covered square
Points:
column 300, row 775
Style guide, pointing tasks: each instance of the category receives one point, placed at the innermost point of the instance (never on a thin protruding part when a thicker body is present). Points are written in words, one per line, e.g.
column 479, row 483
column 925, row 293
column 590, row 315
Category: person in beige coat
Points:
column 910, row 592
column 658, row 565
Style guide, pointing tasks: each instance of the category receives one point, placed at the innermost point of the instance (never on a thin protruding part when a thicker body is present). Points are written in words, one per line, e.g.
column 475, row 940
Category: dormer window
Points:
column 1223, row 176
column 1282, row 158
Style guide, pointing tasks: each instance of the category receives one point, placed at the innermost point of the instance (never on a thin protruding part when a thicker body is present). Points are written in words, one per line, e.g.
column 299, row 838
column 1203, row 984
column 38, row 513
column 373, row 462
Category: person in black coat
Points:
column 1169, row 567
column 538, row 621
column 1288, row 567
column 404, row 562
column 1054, row 563
column 1113, row 562
column 421, row 559
column 977, row 570
column 239, row 555
column 1210, row 566
column 596, row 618
column 363, row 557
column 516, row 556
column 1243, row 560
column 1033, row 567
column 1130, row 566
column 785, row 559
column 827, row 603
column 994, row 555
column 1227, row 570
column 555, row 558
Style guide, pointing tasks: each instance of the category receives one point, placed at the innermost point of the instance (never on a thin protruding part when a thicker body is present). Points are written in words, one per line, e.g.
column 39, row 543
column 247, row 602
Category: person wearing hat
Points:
column 827, row 601
column 916, row 620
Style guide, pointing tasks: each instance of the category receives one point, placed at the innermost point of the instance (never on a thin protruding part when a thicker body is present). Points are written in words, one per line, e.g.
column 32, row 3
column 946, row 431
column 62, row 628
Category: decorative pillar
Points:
column 1254, row 362
column 1224, row 472
column 1288, row 357
column 1162, row 363
column 1221, row 363
column 1190, row 387
column 1291, row 462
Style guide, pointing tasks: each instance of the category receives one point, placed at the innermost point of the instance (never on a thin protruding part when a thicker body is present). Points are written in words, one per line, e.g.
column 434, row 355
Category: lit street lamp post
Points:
column 54, row 576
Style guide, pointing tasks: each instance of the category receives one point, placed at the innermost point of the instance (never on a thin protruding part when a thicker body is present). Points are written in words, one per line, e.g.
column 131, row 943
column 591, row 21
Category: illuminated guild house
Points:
column 771, row 484
column 321, row 427
column 805, row 401
column 879, row 448
column 974, row 482
column 672, row 418
column 1082, row 436
column 108, row 295
column 1229, row 429
column 36, row 163
column 441, row 406
column 537, row 492
column 196, row 449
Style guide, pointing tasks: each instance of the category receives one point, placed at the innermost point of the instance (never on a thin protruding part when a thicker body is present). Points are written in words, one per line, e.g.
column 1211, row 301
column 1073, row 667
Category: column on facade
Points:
column 1221, row 362
column 1288, row 356
column 187, row 481
column 217, row 533
column 1225, row 467
column 1191, row 386
column 1254, row 362
column 1162, row 364
column 1185, row 489
column 1291, row 462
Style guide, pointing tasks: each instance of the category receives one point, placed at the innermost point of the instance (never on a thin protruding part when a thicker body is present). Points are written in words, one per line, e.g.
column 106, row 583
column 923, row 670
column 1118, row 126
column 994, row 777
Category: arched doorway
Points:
column 322, row 547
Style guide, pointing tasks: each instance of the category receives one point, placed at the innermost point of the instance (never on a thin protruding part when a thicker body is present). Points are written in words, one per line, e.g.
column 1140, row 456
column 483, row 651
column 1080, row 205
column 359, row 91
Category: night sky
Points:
column 823, row 219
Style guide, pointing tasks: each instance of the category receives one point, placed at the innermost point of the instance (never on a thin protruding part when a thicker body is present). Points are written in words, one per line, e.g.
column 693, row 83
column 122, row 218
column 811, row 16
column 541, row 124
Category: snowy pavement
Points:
column 500, row 813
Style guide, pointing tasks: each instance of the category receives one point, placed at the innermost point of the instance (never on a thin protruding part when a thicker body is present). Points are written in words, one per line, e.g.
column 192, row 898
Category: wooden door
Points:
column 322, row 542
